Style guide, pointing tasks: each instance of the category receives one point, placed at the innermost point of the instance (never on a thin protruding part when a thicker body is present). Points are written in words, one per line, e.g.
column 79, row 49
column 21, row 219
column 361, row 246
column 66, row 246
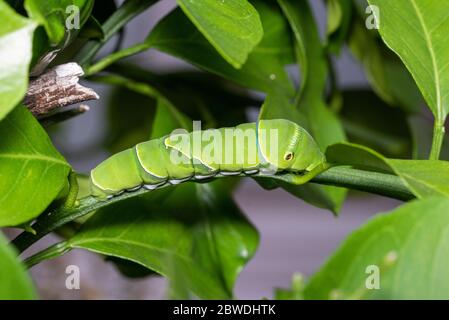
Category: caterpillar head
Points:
column 284, row 145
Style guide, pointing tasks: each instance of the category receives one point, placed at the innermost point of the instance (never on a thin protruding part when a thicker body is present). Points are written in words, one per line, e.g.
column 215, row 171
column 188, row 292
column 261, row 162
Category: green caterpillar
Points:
column 266, row 148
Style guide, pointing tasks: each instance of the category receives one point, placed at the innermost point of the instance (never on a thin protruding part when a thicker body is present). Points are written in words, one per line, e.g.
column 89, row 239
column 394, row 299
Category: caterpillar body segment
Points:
column 122, row 164
column 266, row 148
column 147, row 153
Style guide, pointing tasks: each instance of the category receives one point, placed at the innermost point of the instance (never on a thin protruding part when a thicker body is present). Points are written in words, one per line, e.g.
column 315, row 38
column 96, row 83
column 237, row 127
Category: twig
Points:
column 386, row 185
column 378, row 183
column 57, row 88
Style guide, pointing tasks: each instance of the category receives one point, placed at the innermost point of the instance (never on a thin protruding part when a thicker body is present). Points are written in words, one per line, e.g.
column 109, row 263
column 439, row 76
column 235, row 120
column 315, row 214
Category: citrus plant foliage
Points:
column 387, row 140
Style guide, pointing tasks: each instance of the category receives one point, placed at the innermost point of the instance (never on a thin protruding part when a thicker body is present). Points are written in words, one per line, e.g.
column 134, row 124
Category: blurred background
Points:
column 295, row 237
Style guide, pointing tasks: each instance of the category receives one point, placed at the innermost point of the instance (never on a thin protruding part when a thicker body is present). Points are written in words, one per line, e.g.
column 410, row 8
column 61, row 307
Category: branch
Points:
column 378, row 183
column 373, row 182
column 57, row 88
column 53, row 219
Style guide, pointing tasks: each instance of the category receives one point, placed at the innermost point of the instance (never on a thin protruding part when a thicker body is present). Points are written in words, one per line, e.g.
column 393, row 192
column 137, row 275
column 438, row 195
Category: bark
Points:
column 57, row 88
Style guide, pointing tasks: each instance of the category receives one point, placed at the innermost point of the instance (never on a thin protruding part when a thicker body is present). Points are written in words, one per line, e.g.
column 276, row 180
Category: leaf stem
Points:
column 377, row 183
column 51, row 252
column 116, row 56
column 437, row 140
column 129, row 10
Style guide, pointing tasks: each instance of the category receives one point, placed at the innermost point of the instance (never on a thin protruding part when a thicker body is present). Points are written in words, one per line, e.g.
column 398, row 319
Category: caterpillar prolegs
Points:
column 265, row 148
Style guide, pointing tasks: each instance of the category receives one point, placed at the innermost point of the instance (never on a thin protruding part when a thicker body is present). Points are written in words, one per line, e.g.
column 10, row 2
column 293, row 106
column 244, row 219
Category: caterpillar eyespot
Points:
column 288, row 156
column 266, row 148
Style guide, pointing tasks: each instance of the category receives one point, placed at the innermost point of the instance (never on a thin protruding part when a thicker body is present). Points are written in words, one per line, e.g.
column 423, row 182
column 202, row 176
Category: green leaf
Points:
column 310, row 53
column 202, row 96
column 15, row 283
column 321, row 123
column 417, row 36
column 293, row 293
column 375, row 124
column 167, row 119
column 52, row 15
column 207, row 240
column 32, row 171
column 206, row 97
column 279, row 107
column 128, row 10
column 233, row 27
column 92, row 30
column 130, row 269
column 339, row 20
column 131, row 125
column 423, row 177
column 386, row 73
column 54, row 41
column 264, row 69
column 16, row 38
column 195, row 93
column 412, row 260
column 334, row 15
